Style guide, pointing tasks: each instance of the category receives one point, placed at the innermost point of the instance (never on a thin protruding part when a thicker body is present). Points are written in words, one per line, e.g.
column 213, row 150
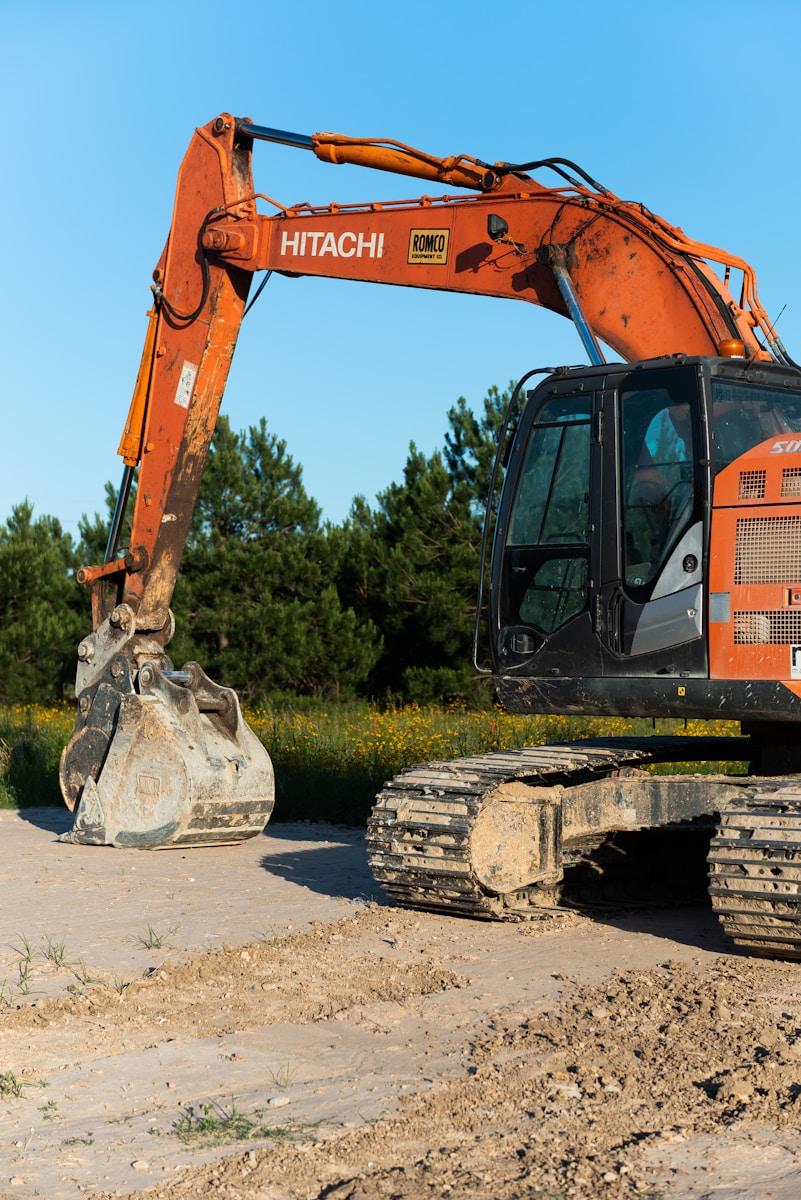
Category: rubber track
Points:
column 419, row 831
column 755, row 872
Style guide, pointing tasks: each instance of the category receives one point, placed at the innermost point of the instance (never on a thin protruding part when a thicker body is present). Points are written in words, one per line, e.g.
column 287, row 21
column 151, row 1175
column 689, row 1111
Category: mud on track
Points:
column 368, row 1052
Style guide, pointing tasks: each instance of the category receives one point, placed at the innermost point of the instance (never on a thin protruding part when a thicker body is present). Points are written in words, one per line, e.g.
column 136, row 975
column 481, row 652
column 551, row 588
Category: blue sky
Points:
column 691, row 108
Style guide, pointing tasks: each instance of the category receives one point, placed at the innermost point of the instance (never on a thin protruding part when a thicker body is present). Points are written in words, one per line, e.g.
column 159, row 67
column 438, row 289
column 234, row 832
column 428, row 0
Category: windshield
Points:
column 746, row 414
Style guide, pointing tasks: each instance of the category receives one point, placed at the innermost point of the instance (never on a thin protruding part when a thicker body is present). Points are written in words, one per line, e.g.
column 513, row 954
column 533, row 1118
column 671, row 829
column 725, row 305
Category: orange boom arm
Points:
column 644, row 288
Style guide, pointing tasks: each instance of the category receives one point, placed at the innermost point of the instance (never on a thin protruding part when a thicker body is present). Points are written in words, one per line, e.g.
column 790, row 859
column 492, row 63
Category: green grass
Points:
column 32, row 737
column 55, row 952
column 215, row 1124
column 153, row 940
column 330, row 761
column 10, row 1084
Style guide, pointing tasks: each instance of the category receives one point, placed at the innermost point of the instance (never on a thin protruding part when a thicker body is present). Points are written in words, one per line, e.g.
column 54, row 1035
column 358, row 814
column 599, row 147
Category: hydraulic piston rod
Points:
column 556, row 259
column 264, row 134
column 383, row 155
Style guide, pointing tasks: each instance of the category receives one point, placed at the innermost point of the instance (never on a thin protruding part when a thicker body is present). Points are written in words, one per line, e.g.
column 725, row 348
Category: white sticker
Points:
column 795, row 662
column 186, row 384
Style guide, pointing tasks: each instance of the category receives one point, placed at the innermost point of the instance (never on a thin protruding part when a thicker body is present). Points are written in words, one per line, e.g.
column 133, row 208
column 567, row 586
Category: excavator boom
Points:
column 644, row 288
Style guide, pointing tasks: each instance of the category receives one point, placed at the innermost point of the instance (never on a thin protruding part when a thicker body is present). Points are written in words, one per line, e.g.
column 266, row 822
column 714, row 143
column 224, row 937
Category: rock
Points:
column 734, row 1091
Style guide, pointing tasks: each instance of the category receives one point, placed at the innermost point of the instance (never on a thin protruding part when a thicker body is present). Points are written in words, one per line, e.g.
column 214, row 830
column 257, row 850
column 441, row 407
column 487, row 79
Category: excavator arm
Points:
column 638, row 283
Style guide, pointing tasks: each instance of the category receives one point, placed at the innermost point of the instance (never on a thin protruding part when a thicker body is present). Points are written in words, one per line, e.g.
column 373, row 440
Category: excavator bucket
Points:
column 163, row 758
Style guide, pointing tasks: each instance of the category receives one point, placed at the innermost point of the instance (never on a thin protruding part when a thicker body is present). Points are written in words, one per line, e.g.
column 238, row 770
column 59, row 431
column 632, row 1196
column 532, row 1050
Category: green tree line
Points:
column 270, row 598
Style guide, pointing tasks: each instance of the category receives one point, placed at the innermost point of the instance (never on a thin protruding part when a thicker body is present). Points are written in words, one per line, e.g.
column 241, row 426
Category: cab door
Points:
column 547, row 536
column 653, row 556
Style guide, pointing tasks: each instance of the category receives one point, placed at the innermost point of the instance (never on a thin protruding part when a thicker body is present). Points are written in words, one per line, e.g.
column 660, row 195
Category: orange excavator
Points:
column 645, row 561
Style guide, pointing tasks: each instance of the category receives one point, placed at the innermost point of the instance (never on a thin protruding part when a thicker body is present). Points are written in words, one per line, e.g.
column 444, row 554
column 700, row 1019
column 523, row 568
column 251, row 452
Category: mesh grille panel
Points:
column 780, row 627
column 768, row 550
column 791, row 481
column 752, row 485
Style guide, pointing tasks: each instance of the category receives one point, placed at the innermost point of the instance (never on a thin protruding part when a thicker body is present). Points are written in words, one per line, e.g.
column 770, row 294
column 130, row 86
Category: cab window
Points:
column 546, row 556
column 657, row 478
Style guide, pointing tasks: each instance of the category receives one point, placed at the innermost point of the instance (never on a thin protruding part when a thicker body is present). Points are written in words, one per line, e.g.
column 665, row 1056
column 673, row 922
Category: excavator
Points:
column 645, row 559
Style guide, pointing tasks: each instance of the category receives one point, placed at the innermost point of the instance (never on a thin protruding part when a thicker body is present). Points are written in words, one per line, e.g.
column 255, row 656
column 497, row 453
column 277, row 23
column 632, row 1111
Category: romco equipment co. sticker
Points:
column 428, row 245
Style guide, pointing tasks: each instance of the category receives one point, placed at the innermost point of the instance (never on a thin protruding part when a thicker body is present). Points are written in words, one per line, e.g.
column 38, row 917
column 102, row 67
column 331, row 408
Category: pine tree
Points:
column 414, row 562
column 471, row 443
column 40, row 608
column 256, row 600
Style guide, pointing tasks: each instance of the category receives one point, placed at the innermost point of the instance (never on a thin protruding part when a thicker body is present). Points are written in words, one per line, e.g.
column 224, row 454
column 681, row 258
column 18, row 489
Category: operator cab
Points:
column 602, row 549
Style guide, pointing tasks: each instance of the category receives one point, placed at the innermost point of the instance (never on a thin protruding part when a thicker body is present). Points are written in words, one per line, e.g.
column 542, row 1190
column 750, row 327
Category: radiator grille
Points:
column 752, row 485
column 768, row 550
column 791, row 481
column 778, row 627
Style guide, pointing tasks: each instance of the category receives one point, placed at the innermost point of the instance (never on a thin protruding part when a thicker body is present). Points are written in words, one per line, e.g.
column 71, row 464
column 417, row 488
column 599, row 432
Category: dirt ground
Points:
column 257, row 1021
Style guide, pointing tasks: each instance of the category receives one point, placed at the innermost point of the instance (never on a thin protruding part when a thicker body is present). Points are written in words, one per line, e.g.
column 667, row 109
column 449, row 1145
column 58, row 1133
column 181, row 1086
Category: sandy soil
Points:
column 256, row 1021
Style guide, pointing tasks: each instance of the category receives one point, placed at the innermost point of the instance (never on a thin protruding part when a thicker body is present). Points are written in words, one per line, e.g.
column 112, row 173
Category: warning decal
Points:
column 186, row 384
column 795, row 662
column 428, row 245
